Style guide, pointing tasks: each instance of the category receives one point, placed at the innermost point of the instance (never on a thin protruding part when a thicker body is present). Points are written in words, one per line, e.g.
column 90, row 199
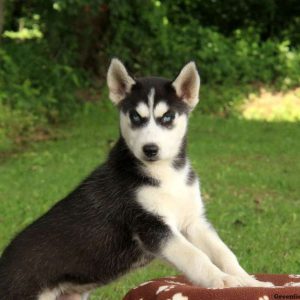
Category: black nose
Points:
column 150, row 150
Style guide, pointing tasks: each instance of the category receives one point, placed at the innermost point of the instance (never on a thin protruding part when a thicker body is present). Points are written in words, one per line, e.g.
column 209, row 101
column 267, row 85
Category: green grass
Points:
column 249, row 176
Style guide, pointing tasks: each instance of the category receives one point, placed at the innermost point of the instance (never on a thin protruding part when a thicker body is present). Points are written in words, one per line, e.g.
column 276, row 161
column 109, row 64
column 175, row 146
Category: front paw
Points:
column 226, row 281
column 229, row 281
column 253, row 282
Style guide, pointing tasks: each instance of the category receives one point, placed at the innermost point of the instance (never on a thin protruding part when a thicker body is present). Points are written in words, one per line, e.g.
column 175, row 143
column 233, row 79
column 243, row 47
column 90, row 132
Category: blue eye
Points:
column 135, row 118
column 167, row 118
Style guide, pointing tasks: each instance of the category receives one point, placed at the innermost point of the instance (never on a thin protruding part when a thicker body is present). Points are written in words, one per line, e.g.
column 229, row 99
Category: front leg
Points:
column 204, row 237
column 168, row 243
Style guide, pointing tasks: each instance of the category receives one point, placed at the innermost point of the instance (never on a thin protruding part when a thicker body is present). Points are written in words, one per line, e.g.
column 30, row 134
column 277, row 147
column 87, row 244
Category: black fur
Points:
column 95, row 234
column 180, row 160
column 191, row 177
column 99, row 231
column 163, row 91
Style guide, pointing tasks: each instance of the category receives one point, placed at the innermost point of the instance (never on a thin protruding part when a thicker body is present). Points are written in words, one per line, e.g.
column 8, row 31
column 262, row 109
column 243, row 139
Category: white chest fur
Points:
column 176, row 201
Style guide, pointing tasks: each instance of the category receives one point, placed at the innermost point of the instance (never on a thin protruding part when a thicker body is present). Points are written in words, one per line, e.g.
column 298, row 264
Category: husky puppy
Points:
column 143, row 202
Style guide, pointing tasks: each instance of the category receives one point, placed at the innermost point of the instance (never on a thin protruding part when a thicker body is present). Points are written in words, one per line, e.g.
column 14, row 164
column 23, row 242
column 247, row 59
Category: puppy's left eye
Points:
column 167, row 118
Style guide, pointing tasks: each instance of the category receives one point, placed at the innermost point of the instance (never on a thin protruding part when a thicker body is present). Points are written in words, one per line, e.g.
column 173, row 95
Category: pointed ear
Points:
column 118, row 80
column 187, row 84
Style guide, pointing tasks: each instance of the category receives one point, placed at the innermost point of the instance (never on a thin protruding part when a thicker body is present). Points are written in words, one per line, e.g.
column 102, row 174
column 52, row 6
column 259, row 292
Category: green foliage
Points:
column 41, row 61
column 29, row 80
column 29, row 29
column 161, row 46
column 50, row 49
column 270, row 18
column 34, row 90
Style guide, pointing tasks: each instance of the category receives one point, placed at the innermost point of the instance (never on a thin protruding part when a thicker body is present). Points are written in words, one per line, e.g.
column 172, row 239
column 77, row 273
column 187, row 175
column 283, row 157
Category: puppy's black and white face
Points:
column 153, row 111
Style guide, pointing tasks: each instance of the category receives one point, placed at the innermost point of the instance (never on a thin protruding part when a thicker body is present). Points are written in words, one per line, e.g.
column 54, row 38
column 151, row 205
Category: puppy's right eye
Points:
column 135, row 118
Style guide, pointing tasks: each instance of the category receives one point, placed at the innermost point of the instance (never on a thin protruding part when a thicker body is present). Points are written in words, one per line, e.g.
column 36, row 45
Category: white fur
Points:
column 49, row 295
column 118, row 80
column 85, row 296
column 73, row 297
column 190, row 260
column 178, row 203
column 55, row 294
column 180, row 206
column 168, row 140
column 151, row 99
column 207, row 239
column 143, row 110
column 193, row 247
column 187, row 84
column 160, row 109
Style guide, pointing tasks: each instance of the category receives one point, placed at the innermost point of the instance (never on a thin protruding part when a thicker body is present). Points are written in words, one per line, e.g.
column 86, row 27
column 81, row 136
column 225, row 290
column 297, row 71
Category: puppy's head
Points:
column 153, row 111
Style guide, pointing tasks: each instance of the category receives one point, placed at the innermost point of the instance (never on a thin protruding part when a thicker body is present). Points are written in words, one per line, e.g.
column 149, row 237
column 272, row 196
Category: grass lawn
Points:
column 250, row 175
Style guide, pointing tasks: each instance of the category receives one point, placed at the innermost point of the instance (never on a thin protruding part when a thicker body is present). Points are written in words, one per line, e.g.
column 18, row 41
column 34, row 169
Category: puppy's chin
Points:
column 146, row 160
column 156, row 160
column 151, row 159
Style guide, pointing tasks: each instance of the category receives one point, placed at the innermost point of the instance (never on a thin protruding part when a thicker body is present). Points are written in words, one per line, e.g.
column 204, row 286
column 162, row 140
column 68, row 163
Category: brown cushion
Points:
column 178, row 288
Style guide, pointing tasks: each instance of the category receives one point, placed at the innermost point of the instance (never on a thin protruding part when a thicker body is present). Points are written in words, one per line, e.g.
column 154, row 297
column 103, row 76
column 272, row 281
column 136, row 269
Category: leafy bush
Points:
column 148, row 41
column 34, row 90
column 30, row 81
